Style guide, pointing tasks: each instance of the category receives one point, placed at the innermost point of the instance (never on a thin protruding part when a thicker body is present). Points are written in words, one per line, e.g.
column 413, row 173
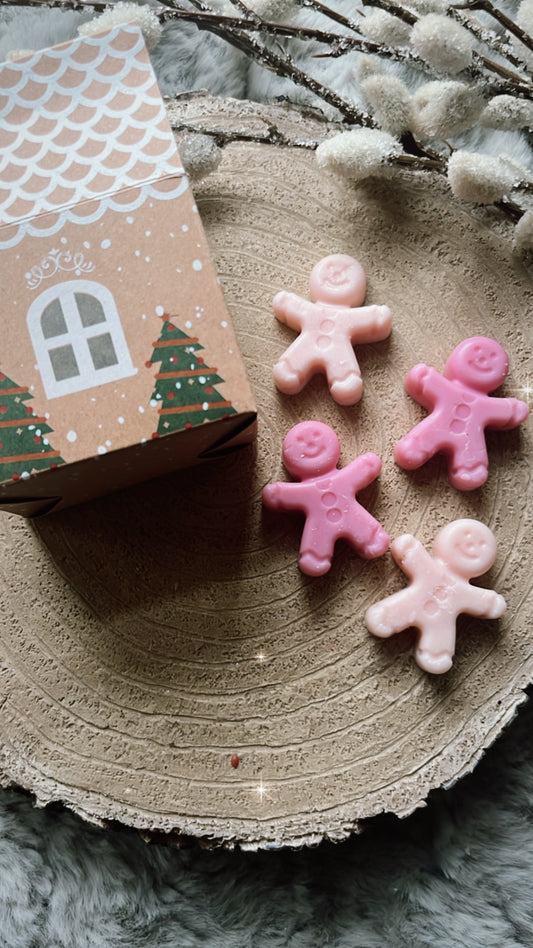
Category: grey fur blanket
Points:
column 456, row 874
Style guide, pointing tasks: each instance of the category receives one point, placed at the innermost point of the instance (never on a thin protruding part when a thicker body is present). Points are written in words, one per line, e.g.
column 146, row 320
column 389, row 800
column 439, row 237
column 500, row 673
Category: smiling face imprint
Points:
column 467, row 546
column 480, row 362
column 310, row 449
column 338, row 279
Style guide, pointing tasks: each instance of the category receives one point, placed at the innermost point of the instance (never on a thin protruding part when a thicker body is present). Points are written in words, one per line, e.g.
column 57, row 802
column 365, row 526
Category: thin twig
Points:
column 505, row 21
column 519, row 83
column 395, row 9
column 337, row 43
column 246, row 12
column 283, row 65
column 234, row 30
column 271, row 135
column 487, row 37
column 77, row 5
column 330, row 14
column 481, row 33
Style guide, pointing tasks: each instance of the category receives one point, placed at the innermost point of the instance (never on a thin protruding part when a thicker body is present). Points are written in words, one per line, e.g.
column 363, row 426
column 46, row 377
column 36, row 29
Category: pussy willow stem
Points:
column 501, row 18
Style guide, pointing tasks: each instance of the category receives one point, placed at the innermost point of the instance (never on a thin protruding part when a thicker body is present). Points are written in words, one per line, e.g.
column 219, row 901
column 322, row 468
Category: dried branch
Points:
column 487, row 37
column 234, row 30
column 518, row 84
column 337, row 45
column 78, row 6
column 221, row 136
column 280, row 62
column 395, row 9
column 501, row 18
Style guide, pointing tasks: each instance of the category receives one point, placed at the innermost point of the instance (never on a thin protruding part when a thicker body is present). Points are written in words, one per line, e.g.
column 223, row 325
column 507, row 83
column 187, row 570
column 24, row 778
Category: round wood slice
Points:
column 164, row 661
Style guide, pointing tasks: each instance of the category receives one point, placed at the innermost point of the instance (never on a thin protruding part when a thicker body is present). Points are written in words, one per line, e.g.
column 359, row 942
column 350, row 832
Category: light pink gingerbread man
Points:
column 326, row 495
column 439, row 590
column 461, row 408
column 328, row 328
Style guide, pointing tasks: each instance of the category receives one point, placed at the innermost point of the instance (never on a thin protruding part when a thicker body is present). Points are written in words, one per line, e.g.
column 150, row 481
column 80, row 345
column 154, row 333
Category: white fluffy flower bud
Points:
column 390, row 101
column 120, row 13
column 445, row 108
column 442, row 43
column 366, row 66
column 429, row 6
column 481, row 179
column 200, row 155
column 358, row 154
column 385, row 28
column 269, row 9
column 15, row 54
column 523, row 234
column 507, row 113
column 524, row 16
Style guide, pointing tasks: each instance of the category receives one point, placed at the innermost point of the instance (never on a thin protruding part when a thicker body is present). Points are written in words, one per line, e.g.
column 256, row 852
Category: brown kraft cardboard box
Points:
column 118, row 360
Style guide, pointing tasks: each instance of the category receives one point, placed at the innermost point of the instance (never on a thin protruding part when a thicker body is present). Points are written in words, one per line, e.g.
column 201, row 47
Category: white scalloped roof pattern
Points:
column 79, row 122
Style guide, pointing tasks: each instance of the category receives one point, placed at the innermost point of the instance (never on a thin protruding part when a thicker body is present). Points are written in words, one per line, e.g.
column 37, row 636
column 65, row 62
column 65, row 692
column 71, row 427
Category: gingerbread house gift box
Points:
column 118, row 360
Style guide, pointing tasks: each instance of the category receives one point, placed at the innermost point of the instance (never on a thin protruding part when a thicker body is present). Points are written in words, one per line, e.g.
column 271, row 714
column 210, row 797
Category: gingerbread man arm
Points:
column 360, row 472
column 426, row 385
column 291, row 309
column 505, row 413
column 411, row 556
column 287, row 495
column 367, row 323
column 482, row 602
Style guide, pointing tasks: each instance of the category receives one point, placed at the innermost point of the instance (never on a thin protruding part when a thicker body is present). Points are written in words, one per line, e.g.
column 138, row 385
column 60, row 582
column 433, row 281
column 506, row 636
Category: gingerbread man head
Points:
column 478, row 362
column 338, row 279
column 468, row 547
column 311, row 449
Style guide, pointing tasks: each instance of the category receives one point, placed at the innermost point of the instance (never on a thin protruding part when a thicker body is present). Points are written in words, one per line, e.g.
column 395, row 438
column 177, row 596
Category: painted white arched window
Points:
column 78, row 338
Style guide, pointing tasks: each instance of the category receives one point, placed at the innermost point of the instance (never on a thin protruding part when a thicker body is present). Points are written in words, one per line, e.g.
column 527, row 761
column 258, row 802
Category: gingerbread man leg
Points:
column 344, row 380
column 436, row 645
column 468, row 464
column 316, row 547
column 366, row 535
column 293, row 370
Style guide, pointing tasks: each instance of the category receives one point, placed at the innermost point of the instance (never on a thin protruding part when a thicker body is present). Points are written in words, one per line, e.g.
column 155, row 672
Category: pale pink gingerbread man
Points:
column 439, row 590
column 461, row 408
column 328, row 328
column 326, row 495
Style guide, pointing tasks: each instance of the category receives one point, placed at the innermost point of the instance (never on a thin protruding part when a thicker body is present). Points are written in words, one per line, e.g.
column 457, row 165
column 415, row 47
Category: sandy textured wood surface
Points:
column 148, row 638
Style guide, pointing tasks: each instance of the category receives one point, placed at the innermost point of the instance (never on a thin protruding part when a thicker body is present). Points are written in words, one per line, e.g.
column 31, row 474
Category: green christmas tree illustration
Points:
column 23, row 445
column 185, row 390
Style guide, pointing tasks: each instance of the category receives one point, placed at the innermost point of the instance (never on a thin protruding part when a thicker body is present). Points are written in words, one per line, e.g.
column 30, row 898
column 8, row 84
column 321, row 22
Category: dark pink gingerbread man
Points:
column 326, row 495
column 329, row 327
column 461, row 408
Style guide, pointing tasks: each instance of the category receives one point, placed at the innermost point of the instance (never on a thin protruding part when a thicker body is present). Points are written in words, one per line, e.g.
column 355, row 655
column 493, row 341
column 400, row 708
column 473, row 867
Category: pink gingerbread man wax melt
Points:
column 439, row 590
column 461, row 408
column 328, row 327
column 326, row 495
